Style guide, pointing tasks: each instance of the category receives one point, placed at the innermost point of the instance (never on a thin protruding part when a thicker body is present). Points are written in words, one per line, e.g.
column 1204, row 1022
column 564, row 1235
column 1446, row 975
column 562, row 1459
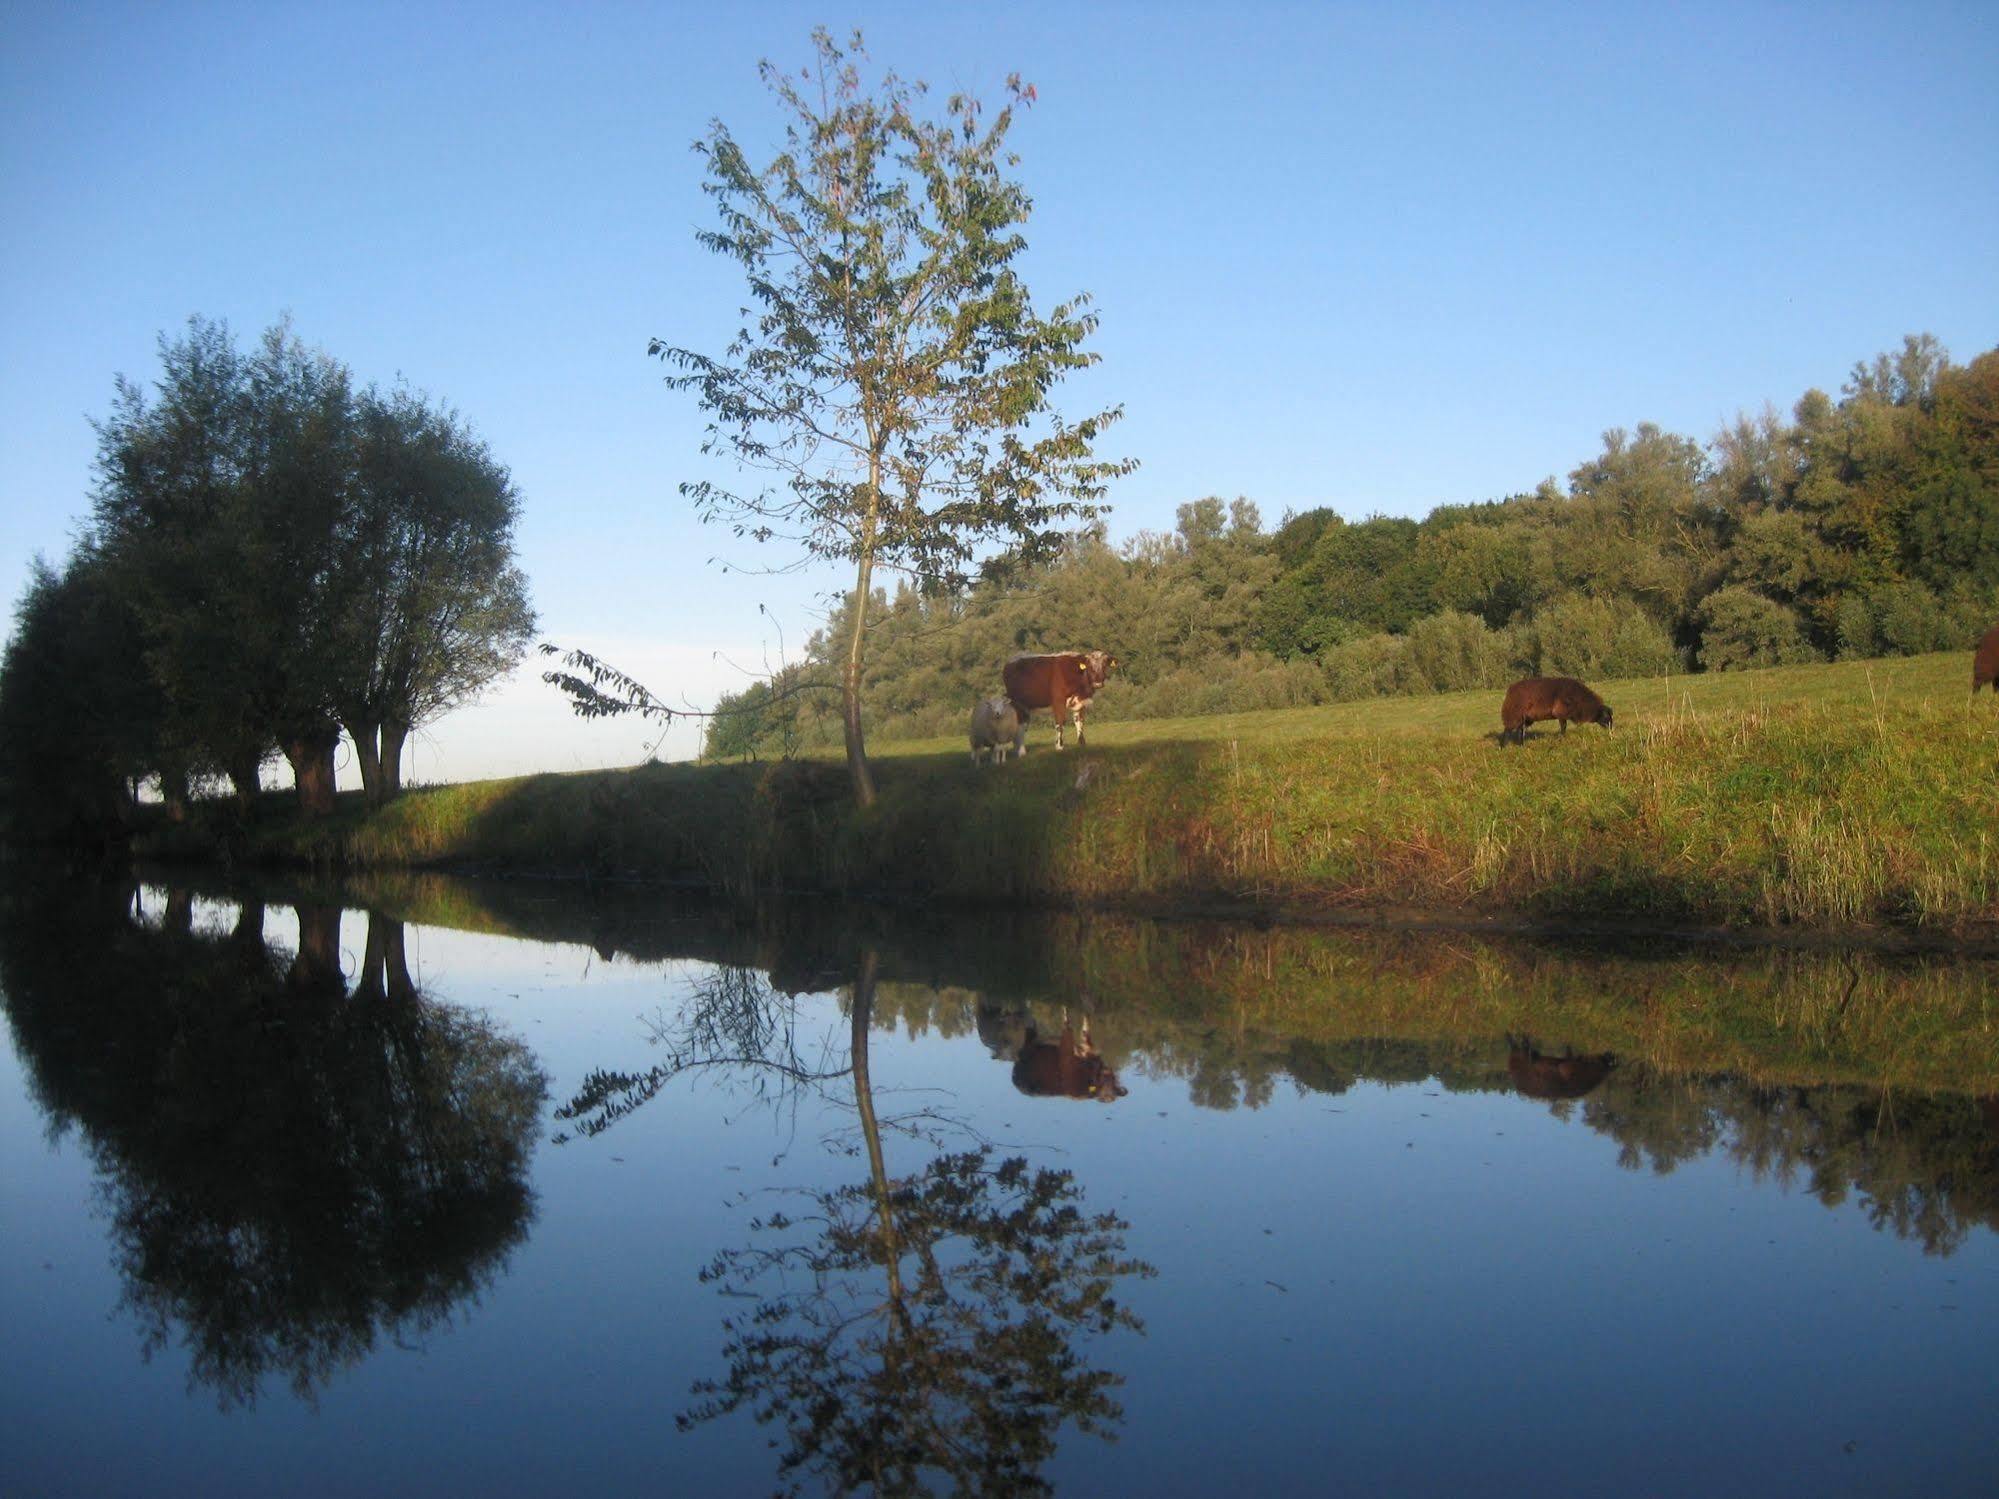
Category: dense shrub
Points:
column 1740, row 629
column 1853, row 629
column 1249, row 683
column 1576, row 635
column 1912, row 619
column 1451, row 651
column 1373, row 666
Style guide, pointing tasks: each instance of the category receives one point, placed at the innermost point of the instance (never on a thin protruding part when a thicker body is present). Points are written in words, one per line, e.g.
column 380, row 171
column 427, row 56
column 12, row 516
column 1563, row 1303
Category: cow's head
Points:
column 1099, row 666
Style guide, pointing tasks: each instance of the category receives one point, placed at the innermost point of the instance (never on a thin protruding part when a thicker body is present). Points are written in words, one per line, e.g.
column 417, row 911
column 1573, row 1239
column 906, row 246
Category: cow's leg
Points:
column 1020, row 738
column 1080, row 705
column 1565, row 725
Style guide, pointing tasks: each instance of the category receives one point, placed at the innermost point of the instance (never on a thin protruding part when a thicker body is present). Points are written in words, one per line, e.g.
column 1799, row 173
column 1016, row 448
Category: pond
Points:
column 439, row 1187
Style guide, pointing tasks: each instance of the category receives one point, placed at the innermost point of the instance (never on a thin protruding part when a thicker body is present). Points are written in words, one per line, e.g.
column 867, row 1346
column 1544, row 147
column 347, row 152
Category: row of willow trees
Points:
column 273, row 555
column 1862, row 526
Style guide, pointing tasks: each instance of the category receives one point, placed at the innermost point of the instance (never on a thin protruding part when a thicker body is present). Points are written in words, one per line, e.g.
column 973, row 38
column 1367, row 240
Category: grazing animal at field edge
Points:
column 1537, row 1075
column 1063, row 683
column 1985, row 663
column 1065, row 1069
column 995, row 729
column 1535, row 699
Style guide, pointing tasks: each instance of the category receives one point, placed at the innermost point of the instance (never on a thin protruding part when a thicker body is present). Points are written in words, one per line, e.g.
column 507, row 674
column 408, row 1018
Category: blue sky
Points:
column 1376, row 257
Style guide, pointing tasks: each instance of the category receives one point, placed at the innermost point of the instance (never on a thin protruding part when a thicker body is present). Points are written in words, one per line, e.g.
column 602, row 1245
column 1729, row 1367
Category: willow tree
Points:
column 892, row 377
column 433, row 608
column 217, row 509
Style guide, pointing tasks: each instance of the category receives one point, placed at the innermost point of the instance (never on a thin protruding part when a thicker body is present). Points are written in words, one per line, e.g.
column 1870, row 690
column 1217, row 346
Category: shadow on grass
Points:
column 1602, row 830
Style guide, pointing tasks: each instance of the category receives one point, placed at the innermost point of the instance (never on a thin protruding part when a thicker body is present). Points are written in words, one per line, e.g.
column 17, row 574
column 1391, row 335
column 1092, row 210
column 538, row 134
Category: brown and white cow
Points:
column 1063, row 683
column 1065, row 1069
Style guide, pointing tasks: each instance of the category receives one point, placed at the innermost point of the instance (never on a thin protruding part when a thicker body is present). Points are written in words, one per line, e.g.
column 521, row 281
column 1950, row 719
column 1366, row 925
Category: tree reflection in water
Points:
column 907, row 1330
column 292, row 1171
column 1924, row 1166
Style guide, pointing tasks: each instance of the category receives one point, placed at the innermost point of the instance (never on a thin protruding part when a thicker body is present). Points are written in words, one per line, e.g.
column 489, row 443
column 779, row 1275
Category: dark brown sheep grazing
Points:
column 1550, row 1078
column 1537, row 698
column 1985, row 663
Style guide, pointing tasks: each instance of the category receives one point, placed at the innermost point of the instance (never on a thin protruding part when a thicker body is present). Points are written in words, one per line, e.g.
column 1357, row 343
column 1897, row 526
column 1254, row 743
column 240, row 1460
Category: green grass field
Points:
column 1935, row 681
column 1833, row 796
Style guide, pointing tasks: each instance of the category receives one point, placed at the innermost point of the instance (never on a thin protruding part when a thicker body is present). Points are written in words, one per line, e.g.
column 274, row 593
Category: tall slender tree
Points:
column 894, row 378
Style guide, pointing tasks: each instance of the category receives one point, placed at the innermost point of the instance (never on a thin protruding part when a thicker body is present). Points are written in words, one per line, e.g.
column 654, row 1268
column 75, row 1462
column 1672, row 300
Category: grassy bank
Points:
column 1835, row 796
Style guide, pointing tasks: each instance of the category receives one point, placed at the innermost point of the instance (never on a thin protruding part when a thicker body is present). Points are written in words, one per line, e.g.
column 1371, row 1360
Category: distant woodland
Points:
column 1862, row 526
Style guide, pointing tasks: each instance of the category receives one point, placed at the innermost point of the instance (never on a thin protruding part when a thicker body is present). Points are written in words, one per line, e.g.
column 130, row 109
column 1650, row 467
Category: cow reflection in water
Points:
column 1554, row 1079
column 1070, row 1067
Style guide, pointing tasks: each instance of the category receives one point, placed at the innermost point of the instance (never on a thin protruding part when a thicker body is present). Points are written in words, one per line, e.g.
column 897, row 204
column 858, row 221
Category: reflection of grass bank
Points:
column 1227, row 996
column 1826, row 797
column 1841, row 1070
column 1773, row 1016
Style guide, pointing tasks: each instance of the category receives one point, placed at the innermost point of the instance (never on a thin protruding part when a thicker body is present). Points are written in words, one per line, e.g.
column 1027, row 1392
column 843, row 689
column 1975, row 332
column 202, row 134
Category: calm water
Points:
column 518, row 1190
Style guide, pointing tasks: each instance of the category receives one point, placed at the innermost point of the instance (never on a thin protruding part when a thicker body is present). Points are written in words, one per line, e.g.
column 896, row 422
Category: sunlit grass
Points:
column 1826, row 796
column 1878, row 688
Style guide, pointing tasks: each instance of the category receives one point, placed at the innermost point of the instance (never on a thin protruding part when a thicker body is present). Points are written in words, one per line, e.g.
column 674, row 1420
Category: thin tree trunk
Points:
column 396, row 963
column 316, row 969
column 395, row 733
column 245, row 775
column 311, row 755
column 174, row 793
column 369, row 983
column 864, row 1103
column 367, row 759
column 850, row 685
column 248, row 935
column 385, row 968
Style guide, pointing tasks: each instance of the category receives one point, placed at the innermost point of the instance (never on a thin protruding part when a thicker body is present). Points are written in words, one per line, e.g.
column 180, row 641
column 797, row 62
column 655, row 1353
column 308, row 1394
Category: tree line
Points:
column 273, row 556
column 1866, row 525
